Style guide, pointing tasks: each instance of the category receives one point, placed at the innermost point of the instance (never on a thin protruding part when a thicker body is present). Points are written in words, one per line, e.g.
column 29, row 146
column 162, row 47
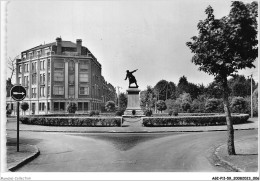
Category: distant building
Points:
column 57, row 73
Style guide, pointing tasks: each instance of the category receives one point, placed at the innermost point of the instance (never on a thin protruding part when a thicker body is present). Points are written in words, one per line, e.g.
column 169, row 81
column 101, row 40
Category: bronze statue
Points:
column 131, row 78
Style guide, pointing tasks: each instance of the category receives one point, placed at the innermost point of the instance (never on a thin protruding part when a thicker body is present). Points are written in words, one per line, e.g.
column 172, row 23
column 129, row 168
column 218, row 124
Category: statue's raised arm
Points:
column 131, row 78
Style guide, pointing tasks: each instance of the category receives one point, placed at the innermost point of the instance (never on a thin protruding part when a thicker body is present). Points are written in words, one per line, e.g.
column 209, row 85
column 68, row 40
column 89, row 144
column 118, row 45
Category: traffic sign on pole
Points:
column 18, row 93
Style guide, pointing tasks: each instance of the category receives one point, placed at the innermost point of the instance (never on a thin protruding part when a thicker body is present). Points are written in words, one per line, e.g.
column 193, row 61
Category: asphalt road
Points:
column 157, row 152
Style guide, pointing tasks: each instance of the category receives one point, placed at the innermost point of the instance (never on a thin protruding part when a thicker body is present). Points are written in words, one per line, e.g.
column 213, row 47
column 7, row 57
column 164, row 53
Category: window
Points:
column 56, row 106
column 71, row 90
column 48, row 90
column 42, row 78
column 59, row 76
column 71, row 78
column 33, row 92
column 42, row 66
column 80, row 106
column 38, row 53
column 48, row 106
column 26, row 67
column 62, row 106
column 26, row 81
column 58, row 65
column 48, row 64
column 83, row 65
column 83, row 77
column 30, row 55
column 58, row 90
column 41, row 106
column 34, row 77
column 71, row 66
column 34, row 66
column 42, row 91
column 84, row 90
column 24, row 56
column 49, row 78
column 85, row 106
column 19, row 80
column 20, row 68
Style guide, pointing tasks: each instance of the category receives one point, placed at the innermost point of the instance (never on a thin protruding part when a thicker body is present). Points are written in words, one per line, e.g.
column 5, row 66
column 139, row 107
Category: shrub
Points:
column 193, row 120
column 72, row 121
column 8, row 112
column 110, row 106
column 238, row 105
column 24, row 106
column 148, row 112
column 97, row 113
column 161, row 106
column 72, row 107
column 120, row 112
column 92, row 113
column 133, row 112
column 214, row 106
column 185, row 106
column 170, row 113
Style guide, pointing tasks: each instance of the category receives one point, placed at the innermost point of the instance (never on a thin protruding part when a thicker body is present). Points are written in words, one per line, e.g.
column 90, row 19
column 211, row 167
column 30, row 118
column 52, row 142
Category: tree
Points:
column 147, row 98
column 213, row 106
column 110, row 106
column 9, row 85
column 122, row 101
column 165, row 90
column 183, row 86
column 224, row 46
column 72, row 107
column 24, row 106
column 161, row 106
column 11, row 64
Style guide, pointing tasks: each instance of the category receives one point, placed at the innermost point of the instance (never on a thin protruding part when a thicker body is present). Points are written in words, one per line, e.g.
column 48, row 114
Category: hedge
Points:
column 209, row 120
column 72, row 121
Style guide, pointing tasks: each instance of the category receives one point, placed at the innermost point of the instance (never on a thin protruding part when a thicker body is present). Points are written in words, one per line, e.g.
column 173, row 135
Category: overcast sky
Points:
column 148, row 35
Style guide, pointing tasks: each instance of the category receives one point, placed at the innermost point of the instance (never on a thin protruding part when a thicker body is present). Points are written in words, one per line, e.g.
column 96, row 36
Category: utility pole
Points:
column 251, row 94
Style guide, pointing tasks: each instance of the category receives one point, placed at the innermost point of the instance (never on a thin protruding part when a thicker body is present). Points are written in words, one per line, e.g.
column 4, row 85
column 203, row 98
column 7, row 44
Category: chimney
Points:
column 58, row 44
column 79, row 44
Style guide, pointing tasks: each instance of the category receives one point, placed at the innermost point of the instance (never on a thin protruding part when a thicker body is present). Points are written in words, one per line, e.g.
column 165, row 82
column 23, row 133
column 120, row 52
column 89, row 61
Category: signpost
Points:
column 18, row 93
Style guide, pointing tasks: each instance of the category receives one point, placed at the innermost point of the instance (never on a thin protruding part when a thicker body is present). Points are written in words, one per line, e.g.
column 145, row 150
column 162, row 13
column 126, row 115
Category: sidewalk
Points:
column 246, row 159
column 17, row 159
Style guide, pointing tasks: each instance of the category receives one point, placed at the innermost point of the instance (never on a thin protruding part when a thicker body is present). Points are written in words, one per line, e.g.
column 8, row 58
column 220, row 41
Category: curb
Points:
column 26, row 160
column 112, row 131
column 235, row 168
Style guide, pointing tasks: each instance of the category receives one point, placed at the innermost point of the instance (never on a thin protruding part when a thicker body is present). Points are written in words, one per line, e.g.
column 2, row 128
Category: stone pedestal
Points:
column 133, row 103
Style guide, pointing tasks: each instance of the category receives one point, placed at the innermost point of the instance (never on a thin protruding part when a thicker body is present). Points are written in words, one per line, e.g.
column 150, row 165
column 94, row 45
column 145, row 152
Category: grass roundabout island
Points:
column 109, row 120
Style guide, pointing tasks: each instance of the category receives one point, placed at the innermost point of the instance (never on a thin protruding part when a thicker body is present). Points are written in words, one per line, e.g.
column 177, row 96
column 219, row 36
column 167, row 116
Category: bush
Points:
column 97, row 113
column 72, row 107
column 120, row 112
column 8, row 112
column 238, row 105
column 24, row 106
column 148, row 112
column 72, row 121
column 161, row 105
column 185, row 106
column 214, row 106
column 110, row 106
column 133, row 112
column 193, row 120
column 92, row 113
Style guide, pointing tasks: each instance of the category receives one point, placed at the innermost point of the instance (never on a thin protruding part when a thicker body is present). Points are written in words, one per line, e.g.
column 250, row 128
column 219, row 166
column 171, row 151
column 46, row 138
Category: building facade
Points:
column 61, row 72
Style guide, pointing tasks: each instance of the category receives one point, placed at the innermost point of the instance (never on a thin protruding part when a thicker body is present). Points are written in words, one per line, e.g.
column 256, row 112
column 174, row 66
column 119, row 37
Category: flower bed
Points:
column 72, row 121
column 207, row 120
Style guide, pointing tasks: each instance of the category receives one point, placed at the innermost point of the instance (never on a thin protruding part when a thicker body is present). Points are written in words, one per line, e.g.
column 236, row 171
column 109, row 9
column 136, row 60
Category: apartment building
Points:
column 60, row 72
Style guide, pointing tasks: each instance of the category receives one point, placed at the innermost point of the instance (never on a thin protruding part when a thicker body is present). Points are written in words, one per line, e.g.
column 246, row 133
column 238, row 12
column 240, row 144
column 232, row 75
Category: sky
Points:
column 148, row 35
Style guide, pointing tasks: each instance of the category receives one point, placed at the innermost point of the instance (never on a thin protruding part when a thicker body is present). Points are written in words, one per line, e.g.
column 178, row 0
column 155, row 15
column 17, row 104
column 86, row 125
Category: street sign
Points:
column 18, row 92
